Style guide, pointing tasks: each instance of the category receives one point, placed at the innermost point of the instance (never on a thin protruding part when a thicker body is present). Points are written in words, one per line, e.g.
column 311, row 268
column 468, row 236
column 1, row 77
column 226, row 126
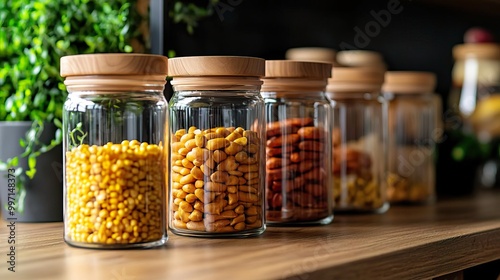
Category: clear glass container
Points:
column 473, row 130
column 358, row 140
column 114, row 122
column 298, row 153
column 312, row 54
column 217, row 147
column 413, row 132
column 362, row 58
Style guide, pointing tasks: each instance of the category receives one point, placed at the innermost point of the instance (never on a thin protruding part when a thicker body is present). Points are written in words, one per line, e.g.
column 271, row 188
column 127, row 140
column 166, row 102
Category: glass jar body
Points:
column 114, row 169
column 358, row 143
column 413, row 132
column 298, row 158
column 217, row 169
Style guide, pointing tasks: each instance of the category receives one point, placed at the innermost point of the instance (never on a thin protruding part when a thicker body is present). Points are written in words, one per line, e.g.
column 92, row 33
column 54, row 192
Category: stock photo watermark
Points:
column 423, row 150
column 11, row 209
column 11, row 219
column 371, row 29
column 221, row 7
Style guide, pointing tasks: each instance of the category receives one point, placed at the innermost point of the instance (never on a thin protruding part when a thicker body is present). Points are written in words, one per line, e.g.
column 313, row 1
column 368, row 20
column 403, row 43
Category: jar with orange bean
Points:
column 358, row 140
column 217, row 147
column 114, row 122
column 298, row 149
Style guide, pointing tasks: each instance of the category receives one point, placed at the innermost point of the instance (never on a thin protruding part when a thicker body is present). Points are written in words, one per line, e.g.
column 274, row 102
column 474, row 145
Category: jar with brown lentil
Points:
column 298, row 151
column 114, row 123
column 216, row 143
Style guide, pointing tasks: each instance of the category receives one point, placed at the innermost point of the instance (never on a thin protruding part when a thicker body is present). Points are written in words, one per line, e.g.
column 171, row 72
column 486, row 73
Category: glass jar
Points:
column 298, row 153
column 217, row 146
column 358, row 140
column 413, row 133
column 362, row 58
column 312, row 54
column 473, row 130
column 114, row 122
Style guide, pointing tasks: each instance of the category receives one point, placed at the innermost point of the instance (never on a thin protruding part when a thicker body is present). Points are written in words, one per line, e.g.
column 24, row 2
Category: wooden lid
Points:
column 296, row 76
column 113, row 64
column 312, row 54
column 355, row 79
column 409, row 82
column 239, row 66
column 297, row 69
column 358, row 58
column 477, row 50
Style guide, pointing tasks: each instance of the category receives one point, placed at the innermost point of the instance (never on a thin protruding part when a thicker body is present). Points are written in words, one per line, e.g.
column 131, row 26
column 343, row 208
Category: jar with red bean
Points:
column 298, row 146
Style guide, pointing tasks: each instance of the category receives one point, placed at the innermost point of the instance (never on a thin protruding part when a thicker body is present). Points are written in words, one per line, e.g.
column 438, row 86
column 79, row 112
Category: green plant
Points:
column 34, row 35
column 190, row 13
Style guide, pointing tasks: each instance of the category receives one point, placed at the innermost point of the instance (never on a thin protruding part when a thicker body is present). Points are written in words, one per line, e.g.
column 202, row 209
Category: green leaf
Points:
column 58, row 124
column 31, row 173
column 61, row 86
column 22, row 143
column 31, row 162
column 52, row 105
column 13, row 161
column 58, row 134
column 171, row 53
column 39, row 100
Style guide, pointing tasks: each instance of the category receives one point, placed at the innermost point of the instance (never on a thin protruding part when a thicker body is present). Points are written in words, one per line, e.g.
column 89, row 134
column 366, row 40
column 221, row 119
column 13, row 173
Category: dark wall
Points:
column 419, row 36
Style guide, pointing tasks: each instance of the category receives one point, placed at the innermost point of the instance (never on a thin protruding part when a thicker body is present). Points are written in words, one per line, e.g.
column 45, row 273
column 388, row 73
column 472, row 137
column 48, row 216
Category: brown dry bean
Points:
column 312, row 132
column 279, row 151
column 275, row 162
column 278, row 141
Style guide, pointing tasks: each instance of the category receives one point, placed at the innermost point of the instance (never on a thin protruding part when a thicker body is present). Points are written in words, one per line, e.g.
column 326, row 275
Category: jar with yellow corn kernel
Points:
column 298, row 153
column 114, row 129
column 217, row 167
column 414, row 128
column 358, row 139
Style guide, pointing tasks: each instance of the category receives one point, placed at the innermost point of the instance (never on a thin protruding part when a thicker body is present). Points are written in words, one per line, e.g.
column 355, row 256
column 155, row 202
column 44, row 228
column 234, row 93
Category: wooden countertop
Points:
column 406, row 242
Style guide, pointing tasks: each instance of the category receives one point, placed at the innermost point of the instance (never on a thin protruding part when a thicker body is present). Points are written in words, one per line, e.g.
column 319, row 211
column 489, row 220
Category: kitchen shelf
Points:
column 422, row 241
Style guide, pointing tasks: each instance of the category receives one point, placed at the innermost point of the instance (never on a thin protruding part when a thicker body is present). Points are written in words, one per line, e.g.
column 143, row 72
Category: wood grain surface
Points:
column 414, row 242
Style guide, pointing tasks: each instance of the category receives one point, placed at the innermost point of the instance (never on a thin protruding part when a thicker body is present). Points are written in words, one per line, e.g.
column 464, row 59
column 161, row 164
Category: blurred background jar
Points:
column 358, row 140
column 312, row 54
column 114, row 123
column 472, row 124
column 217, row 137
column 362, row 58
column 298, row 146
column 413, row 131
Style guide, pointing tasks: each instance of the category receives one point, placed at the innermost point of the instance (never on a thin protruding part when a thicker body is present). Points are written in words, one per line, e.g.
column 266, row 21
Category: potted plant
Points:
column 33, row 37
